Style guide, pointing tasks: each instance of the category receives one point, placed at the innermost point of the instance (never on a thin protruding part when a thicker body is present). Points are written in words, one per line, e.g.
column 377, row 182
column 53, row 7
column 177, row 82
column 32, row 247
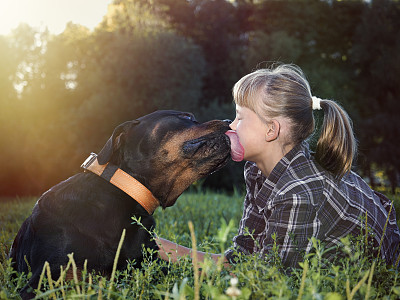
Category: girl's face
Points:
column 251, row 131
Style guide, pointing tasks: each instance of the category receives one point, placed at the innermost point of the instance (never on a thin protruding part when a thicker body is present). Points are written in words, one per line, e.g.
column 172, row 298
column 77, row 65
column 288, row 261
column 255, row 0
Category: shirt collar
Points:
column 265, row 192
column 284, row 163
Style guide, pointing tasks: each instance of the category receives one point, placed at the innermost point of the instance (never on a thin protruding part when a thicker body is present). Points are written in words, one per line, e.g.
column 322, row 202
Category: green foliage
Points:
column 78, row 86
column 214, row 218
column 375, row 56
column 61, row 96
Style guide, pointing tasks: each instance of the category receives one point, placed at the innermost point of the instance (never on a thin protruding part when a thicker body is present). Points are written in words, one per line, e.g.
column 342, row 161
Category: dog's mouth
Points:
column 220, row 164
column 208, row 153
column 206, row 146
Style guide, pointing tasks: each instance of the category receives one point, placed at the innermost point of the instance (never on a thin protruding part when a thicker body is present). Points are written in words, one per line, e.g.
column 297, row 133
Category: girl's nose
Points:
column 233, row 125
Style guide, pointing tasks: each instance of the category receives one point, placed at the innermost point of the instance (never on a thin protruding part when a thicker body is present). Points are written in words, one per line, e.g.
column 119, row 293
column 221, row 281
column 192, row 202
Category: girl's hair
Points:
column 284, row 91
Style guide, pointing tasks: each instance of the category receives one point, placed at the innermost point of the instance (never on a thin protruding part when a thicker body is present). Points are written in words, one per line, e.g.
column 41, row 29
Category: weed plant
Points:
column 207, row 221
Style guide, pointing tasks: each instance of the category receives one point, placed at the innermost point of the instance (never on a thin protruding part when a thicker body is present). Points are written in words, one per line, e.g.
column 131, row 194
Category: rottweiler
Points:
column 146, row 163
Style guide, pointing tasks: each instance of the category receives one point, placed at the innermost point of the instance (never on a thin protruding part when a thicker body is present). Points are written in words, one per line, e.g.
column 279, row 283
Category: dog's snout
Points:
column 227, row 121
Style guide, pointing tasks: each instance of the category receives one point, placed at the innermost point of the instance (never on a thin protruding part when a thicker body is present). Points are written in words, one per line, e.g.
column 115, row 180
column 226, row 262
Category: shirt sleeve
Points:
column 250, row 233
column 290, row 225
column 252, row 223
column 287, row 221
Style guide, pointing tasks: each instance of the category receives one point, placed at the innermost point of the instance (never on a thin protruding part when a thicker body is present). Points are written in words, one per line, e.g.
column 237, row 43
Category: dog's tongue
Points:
column 237, row 151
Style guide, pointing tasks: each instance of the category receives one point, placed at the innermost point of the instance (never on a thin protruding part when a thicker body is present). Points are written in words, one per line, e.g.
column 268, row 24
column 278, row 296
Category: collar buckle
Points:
column 86, row 164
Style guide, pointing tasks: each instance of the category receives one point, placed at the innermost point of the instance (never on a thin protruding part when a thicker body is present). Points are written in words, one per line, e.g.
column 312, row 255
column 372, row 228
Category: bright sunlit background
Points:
column 53, row 14
column 62, row 92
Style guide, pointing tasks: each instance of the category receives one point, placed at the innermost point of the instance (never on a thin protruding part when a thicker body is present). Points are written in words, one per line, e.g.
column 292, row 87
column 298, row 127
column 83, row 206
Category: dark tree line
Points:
column 61, row 96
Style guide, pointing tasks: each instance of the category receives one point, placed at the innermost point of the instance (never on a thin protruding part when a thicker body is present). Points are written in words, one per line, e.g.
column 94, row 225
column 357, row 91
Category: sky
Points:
column 53, row 14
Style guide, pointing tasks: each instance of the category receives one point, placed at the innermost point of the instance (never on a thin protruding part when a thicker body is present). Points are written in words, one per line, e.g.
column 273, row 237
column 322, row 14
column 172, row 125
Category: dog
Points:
column 146, row 163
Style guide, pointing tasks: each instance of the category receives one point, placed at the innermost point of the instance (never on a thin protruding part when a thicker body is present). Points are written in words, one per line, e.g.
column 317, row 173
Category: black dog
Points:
column 165, row 151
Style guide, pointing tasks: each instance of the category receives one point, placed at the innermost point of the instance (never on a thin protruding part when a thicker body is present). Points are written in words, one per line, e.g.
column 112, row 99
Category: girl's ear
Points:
column 273, row 129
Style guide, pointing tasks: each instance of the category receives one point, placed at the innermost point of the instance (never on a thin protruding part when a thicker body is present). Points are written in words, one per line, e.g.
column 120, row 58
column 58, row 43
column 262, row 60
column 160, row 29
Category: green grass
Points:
column 215, row 220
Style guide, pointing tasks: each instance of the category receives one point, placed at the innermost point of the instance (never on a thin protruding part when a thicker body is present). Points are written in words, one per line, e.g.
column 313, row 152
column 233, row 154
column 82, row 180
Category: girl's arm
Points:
column 172, row 251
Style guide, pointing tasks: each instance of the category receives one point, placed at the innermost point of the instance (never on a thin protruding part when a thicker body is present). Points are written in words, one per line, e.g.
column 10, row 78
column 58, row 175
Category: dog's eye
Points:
column 188, row 117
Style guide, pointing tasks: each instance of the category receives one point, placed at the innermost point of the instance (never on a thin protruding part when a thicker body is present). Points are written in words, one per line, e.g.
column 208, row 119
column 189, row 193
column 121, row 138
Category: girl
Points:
column 292, row 194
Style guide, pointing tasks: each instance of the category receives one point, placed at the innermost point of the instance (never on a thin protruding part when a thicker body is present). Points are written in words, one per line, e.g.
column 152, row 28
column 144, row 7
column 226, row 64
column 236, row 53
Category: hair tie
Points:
column 316, row 103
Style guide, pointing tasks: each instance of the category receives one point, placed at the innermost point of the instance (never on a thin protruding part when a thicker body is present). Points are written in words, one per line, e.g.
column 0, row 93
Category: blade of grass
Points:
column 303, row 280
column 116, row 262
column 195, row 263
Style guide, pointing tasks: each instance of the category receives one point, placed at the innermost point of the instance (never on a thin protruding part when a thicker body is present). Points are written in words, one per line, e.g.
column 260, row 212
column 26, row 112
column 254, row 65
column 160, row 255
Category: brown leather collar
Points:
column 123, row 181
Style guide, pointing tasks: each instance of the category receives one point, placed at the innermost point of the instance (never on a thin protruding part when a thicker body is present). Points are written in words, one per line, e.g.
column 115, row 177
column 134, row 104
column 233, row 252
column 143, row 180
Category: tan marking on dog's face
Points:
column 180, row 180
column 179, row 172
column 176, row 140
column 153, row 133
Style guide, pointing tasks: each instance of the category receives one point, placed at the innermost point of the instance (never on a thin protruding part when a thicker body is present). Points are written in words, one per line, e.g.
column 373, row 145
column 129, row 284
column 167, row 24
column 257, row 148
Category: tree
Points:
column 376, row 59
column 79, row 85
column 9, row 130
column 216, row 26
column 134, row 69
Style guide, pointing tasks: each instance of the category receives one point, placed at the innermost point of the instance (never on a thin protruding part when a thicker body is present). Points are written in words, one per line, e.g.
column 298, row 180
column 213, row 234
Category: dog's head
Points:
column 167, row 151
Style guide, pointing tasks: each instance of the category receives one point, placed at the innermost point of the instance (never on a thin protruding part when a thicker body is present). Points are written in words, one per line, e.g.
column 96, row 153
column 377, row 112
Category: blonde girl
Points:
column 293, row 194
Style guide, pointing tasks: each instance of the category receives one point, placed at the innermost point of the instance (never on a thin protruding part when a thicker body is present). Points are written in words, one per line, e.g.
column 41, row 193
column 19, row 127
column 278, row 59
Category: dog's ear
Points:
column 114, row 142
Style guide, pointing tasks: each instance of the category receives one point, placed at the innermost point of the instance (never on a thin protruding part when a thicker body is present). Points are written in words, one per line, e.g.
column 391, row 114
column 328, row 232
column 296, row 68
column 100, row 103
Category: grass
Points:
column 208, row 221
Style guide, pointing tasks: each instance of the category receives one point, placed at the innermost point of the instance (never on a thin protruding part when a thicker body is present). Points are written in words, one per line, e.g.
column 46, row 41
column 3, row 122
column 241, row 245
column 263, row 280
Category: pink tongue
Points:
column 237, row 151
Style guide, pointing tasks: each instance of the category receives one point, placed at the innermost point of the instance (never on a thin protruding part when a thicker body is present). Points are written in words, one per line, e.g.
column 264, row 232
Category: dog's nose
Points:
column 227, row 121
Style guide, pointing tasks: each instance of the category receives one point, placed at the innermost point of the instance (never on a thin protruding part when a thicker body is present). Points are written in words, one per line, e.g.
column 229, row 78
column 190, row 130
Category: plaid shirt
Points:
column 300, row 200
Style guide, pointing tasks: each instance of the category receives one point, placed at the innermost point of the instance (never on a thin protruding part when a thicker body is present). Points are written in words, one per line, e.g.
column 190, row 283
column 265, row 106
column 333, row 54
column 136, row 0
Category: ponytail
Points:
column 336, row 146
